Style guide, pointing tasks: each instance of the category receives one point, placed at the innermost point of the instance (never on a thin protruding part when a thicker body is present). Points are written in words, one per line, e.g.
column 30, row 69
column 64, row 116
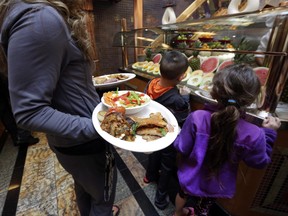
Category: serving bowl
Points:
column 132, row 101
column 224, row 41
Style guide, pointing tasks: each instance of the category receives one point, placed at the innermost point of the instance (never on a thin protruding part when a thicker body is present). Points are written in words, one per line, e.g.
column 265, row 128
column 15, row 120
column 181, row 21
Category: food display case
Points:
column 217, row 42
column 256, row 38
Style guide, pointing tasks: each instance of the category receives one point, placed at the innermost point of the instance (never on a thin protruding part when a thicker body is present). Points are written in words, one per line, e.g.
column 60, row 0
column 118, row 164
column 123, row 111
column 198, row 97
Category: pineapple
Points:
column 244, row 58
column 148, row 54
column 194, row 62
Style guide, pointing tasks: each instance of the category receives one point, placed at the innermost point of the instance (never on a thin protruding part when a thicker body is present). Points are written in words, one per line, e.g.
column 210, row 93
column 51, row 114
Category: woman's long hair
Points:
column 72, row 14
column 235, row 87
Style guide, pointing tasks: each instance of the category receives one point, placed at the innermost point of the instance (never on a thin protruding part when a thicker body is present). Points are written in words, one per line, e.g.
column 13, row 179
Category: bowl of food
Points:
column 225, row 40
column 132, row 101
column 206, row 39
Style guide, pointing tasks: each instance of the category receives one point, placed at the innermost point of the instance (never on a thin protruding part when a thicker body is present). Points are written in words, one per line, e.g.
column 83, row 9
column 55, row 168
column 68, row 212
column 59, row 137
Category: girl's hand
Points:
column 271, row 122
column 184, row 90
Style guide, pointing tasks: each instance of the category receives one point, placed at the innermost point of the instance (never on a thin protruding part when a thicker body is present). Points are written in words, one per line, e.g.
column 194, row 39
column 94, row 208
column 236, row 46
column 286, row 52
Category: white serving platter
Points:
column 140, row 145
column 110, row 84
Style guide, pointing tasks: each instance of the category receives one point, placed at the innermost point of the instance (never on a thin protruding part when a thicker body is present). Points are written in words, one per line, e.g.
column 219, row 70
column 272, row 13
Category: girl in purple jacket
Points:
column 213, row 141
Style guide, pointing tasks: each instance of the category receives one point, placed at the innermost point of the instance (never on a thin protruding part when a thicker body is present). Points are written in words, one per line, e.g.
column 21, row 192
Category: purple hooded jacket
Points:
column 253, row 145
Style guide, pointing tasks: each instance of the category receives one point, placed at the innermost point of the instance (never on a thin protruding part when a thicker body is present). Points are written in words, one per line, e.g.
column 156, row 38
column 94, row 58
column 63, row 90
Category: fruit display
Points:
column 262, row 73
column 210, row 64
column 199, row 79
column 225, row 40
column 225, row 64
column 214, row 49
column 202, row 78
column 194, row 62
column 187, row 74
column 223, row 57
column 195, row 80
column 199, row 73
column 204, row 58
column 207, row 41
column 206, row 37
column 198, row 51
column 149, row 67
column 157, row 58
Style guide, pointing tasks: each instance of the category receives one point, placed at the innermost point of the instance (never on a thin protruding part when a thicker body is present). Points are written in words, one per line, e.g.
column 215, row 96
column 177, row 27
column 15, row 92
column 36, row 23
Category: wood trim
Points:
column 189, row 10
column 182, row 17
column 138, row 14
column 90, row 23
column 138, row 23
column 87, row 5
column 124, row 48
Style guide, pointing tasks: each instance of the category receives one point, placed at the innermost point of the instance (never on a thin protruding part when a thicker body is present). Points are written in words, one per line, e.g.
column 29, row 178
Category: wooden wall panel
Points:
column 88, row 8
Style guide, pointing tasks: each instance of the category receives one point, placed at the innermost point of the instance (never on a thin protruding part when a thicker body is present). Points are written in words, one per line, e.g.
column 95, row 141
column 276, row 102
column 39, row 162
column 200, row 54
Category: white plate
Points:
column 140, row 145
column 129, row 75
column 205, row 95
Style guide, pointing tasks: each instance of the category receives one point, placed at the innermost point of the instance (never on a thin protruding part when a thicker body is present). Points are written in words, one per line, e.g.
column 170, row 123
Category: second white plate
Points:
column 129, row 77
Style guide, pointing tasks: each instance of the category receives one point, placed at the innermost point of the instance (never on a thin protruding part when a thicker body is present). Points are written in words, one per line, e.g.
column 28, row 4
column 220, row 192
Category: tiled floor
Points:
column 32, row 182
column 47, row 189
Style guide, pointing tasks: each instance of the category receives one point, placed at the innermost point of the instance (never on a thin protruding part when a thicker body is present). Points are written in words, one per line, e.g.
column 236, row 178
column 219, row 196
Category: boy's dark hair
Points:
column 173, row 64
column 234, row 87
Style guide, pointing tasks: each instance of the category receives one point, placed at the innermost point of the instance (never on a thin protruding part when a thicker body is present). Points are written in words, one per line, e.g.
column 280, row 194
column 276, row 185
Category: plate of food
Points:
column 112, row 79
column 132, row 101
column 152, row 129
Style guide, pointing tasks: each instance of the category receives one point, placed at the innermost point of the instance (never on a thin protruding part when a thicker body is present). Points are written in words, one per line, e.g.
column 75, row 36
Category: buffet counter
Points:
column 257, row 38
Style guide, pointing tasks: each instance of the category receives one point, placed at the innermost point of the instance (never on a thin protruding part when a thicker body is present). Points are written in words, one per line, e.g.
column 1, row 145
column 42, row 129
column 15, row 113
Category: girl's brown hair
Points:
column 235, row 87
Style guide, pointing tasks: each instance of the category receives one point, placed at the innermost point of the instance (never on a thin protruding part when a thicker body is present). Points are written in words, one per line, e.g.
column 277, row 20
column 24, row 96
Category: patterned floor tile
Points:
column 47, row 189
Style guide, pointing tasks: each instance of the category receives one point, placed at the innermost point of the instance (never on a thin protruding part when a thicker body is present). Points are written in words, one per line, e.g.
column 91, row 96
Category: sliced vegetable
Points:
column 163, row 131
column 135, row 96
